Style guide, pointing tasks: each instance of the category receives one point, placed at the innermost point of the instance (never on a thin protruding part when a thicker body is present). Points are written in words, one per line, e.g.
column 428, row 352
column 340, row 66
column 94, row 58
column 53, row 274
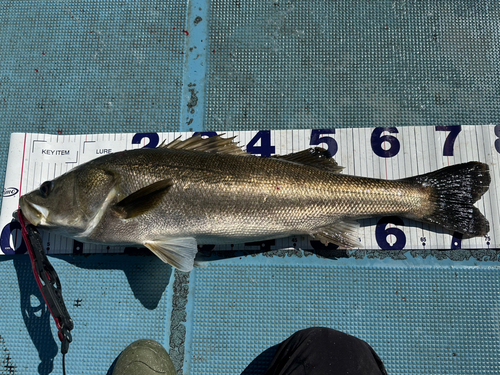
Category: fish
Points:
column 197, row 191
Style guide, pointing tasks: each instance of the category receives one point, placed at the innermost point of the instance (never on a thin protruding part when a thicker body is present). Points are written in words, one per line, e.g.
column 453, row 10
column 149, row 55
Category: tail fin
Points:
column 454, row 191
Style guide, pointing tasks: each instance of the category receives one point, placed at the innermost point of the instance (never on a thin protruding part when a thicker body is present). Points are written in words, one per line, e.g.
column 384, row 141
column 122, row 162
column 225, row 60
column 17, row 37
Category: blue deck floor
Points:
column 146, row 66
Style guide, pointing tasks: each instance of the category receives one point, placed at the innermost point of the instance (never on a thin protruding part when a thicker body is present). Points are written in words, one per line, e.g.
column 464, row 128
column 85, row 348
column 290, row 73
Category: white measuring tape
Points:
column 386, row 153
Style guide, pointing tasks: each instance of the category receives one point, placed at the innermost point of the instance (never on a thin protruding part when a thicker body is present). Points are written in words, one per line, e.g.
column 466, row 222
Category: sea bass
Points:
column 209, row 191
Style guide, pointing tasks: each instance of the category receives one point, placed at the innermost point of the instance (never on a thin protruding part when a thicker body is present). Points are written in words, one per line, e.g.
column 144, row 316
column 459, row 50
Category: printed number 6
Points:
column 381, row 233
column 378, row 139
column 317, row 139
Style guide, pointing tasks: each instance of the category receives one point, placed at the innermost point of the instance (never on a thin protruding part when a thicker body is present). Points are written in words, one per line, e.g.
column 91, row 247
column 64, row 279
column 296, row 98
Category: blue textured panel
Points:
column 90, row 66
column 113, row 300
column 419, row 318
column 87, row 67
column 316, row 64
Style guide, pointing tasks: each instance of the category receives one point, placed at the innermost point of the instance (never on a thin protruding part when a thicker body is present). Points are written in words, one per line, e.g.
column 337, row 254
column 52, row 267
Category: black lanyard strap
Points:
column 48, row 281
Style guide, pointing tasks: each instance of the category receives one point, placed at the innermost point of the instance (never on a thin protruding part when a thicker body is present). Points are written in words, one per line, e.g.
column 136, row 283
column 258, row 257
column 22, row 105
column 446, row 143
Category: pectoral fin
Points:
column 178, row 252
column 142, row 200
column 342, row 233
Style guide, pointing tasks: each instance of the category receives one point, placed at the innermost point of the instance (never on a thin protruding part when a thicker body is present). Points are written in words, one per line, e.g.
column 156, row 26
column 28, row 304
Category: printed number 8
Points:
column 497, row 141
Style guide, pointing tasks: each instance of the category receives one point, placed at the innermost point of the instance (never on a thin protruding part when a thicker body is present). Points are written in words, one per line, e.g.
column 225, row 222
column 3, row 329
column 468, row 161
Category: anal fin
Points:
column 342, row 233
column 178, row 252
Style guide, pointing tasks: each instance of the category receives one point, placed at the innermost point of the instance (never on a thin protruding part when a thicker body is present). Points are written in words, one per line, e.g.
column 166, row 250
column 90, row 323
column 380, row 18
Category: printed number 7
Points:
column 317, row 139
column 450, row 139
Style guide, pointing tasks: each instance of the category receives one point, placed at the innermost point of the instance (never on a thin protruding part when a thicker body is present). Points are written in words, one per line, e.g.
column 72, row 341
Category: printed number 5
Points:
column 317, row 139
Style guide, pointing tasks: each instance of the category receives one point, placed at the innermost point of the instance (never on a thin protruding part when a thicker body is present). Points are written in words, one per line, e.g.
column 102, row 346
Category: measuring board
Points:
column 385, row 153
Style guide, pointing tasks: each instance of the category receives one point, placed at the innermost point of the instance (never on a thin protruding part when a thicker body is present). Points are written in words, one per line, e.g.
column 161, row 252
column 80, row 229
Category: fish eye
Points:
column 46, row 188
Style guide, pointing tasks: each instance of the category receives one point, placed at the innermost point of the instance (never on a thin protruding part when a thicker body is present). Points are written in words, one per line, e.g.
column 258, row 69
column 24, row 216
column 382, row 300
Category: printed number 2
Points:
column 265, row 148
column 317, row 139
column 450, row 139
column 154, row 139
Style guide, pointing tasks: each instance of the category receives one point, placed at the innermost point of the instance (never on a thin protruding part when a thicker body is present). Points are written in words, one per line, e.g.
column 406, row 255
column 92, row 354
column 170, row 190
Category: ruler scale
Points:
column 387, row 153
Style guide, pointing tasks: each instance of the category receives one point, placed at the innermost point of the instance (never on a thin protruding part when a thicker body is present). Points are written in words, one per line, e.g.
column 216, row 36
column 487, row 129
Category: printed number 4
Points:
column 265, row 148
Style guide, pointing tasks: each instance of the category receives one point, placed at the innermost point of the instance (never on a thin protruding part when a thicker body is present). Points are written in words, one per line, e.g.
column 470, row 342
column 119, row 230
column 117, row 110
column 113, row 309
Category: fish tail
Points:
column 453, row 192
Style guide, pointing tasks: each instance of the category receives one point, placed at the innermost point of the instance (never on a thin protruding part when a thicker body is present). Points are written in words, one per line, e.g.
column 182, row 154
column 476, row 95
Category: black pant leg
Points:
column 324, row 351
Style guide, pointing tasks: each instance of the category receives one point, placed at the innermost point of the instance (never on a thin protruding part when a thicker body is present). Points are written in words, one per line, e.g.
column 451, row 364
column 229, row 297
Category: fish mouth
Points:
column 33, row 212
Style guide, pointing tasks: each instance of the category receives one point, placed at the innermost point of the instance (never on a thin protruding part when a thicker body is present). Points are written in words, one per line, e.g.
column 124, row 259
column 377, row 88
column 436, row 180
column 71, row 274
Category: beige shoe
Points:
column 144, row 357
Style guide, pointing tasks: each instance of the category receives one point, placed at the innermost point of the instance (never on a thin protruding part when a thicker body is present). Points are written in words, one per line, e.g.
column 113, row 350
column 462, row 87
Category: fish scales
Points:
column 226, row 198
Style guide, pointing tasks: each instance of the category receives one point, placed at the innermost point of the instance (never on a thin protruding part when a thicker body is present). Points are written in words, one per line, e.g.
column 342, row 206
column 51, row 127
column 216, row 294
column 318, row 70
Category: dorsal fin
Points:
column 215, row 144
column 316, row 157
